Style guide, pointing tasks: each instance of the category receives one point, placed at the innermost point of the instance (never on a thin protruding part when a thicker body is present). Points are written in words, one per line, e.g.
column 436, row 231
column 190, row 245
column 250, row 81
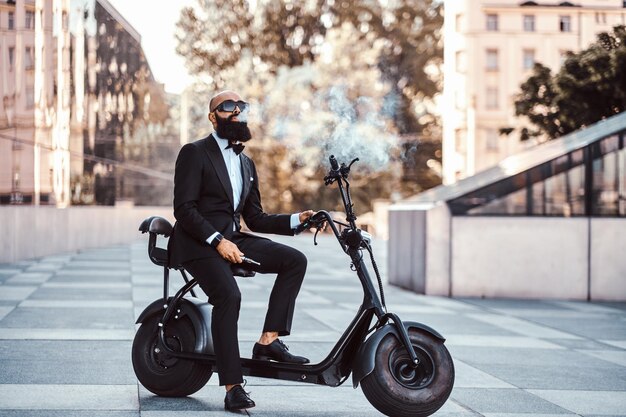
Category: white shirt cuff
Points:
column 295, row 220
column 210, row 238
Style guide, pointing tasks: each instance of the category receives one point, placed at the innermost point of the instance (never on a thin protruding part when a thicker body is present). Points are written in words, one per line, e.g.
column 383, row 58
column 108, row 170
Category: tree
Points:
column 340, row 99
column 410, row 33
column 213, row 36
column 356, row 74
column 590, row 86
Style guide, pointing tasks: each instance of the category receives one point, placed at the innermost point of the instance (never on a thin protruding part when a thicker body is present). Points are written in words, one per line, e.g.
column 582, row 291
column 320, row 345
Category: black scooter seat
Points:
column 160, row 226
column 241, row 271
column 156, row 224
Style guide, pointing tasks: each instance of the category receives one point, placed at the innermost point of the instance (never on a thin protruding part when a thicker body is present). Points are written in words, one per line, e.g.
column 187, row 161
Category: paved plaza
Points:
column 67, row 324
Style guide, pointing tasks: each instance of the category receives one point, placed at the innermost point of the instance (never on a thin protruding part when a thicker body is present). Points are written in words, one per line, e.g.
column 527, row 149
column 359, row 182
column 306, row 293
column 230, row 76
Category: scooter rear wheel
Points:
column 398, row 389
column 161, row 373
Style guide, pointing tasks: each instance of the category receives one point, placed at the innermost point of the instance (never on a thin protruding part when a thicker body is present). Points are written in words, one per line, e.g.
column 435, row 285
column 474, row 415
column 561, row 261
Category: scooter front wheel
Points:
column 161, row 373
column 398, row 389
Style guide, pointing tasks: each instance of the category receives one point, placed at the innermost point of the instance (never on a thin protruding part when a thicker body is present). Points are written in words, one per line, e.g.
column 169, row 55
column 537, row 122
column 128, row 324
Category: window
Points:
column 459, row 99
column 461, row 61
column 528, row 60
column 529, row 23
column 459, row 140
column 513, row 203
column 30, row 96
column 601, row 18
column 565, row 23
column 458, row 23
column 576, row 190
column 621, row 181
column 29, row 20
column 491, row 98
column 492, row 59
column 492, row 22
column 29, row 59
column 606, row 177
column 491, row 140
column 561, row 193
column 11, row 57
column 11, row 20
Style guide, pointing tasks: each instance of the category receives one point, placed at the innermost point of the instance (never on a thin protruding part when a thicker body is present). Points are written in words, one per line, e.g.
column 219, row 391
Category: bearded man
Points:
column 215, row 185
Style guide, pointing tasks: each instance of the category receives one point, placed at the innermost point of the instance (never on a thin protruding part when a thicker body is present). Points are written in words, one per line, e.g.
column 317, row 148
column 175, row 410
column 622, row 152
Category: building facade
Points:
column 78, row 103
column 490, row 49
column 17, row 109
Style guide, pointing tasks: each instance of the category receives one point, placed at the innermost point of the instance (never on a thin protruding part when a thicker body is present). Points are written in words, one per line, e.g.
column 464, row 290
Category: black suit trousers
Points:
column 216, row 280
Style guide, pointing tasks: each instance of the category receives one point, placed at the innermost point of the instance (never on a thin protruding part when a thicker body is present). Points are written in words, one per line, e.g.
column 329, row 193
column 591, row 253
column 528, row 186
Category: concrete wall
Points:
column 608, row 259
column 418, row 250
column 34, row 231
column 433, row 253
column 406, row 248
column 522, row 257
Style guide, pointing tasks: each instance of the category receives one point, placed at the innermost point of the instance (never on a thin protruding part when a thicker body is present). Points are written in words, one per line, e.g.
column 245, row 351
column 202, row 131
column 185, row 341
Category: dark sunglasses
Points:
column 230, row 105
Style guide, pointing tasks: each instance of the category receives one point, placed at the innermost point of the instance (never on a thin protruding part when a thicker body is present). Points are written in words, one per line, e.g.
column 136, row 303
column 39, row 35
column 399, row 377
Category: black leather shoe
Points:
column 276, row 351
column 237, row 399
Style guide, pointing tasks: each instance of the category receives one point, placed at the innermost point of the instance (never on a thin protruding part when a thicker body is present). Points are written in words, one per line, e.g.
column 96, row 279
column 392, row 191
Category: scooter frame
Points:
column 353, row 353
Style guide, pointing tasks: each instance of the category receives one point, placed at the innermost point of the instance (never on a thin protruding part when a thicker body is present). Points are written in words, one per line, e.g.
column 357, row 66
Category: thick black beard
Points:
column 233, row 131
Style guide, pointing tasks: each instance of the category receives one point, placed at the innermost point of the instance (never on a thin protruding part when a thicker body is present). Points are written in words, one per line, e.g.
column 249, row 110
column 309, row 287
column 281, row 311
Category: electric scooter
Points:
column 403, row 367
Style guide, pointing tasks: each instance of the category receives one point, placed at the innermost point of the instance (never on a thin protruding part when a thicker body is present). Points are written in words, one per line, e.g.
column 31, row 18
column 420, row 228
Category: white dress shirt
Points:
column 233, row 166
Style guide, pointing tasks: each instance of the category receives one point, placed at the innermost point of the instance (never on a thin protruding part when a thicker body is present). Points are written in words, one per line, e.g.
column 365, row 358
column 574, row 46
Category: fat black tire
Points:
column 398, row 390
column 163, row 374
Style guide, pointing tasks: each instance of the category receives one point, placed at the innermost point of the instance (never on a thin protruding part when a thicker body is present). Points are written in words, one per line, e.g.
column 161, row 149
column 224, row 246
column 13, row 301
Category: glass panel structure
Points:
column 589, row 181
column 605, row 177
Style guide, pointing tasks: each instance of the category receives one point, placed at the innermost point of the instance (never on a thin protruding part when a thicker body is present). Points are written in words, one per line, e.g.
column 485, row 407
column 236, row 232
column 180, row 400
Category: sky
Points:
column 155, row 20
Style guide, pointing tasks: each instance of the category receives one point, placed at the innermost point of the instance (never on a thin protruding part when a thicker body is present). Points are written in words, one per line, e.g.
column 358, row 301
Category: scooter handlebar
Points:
column 333, row 163
column 315, row 220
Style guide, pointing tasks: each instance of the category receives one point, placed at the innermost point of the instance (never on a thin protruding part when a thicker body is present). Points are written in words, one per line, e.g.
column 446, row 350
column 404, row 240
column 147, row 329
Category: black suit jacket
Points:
column 203, row 202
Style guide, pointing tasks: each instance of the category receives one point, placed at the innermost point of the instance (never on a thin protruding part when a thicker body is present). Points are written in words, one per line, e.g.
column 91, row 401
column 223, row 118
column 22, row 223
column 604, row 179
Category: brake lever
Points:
column 315, row 236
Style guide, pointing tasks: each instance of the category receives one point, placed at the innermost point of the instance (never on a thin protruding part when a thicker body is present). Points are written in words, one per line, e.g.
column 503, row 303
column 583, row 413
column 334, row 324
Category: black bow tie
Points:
column 237, row 147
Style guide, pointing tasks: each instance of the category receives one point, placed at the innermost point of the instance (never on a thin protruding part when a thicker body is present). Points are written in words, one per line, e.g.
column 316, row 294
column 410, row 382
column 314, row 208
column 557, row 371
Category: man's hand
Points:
column 305, row 215
column 229, row 251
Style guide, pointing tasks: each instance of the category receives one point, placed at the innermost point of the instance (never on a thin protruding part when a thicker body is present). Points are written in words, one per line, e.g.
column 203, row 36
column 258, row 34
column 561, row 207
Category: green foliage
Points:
column 590, row 86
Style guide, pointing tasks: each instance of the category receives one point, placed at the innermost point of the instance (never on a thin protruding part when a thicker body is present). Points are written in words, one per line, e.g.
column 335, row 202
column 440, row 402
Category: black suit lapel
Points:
column 246, row 172
column 217, row 159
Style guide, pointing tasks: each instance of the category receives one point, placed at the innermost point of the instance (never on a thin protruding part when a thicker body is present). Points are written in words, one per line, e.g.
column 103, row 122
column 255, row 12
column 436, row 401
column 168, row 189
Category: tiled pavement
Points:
column 67, row 323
